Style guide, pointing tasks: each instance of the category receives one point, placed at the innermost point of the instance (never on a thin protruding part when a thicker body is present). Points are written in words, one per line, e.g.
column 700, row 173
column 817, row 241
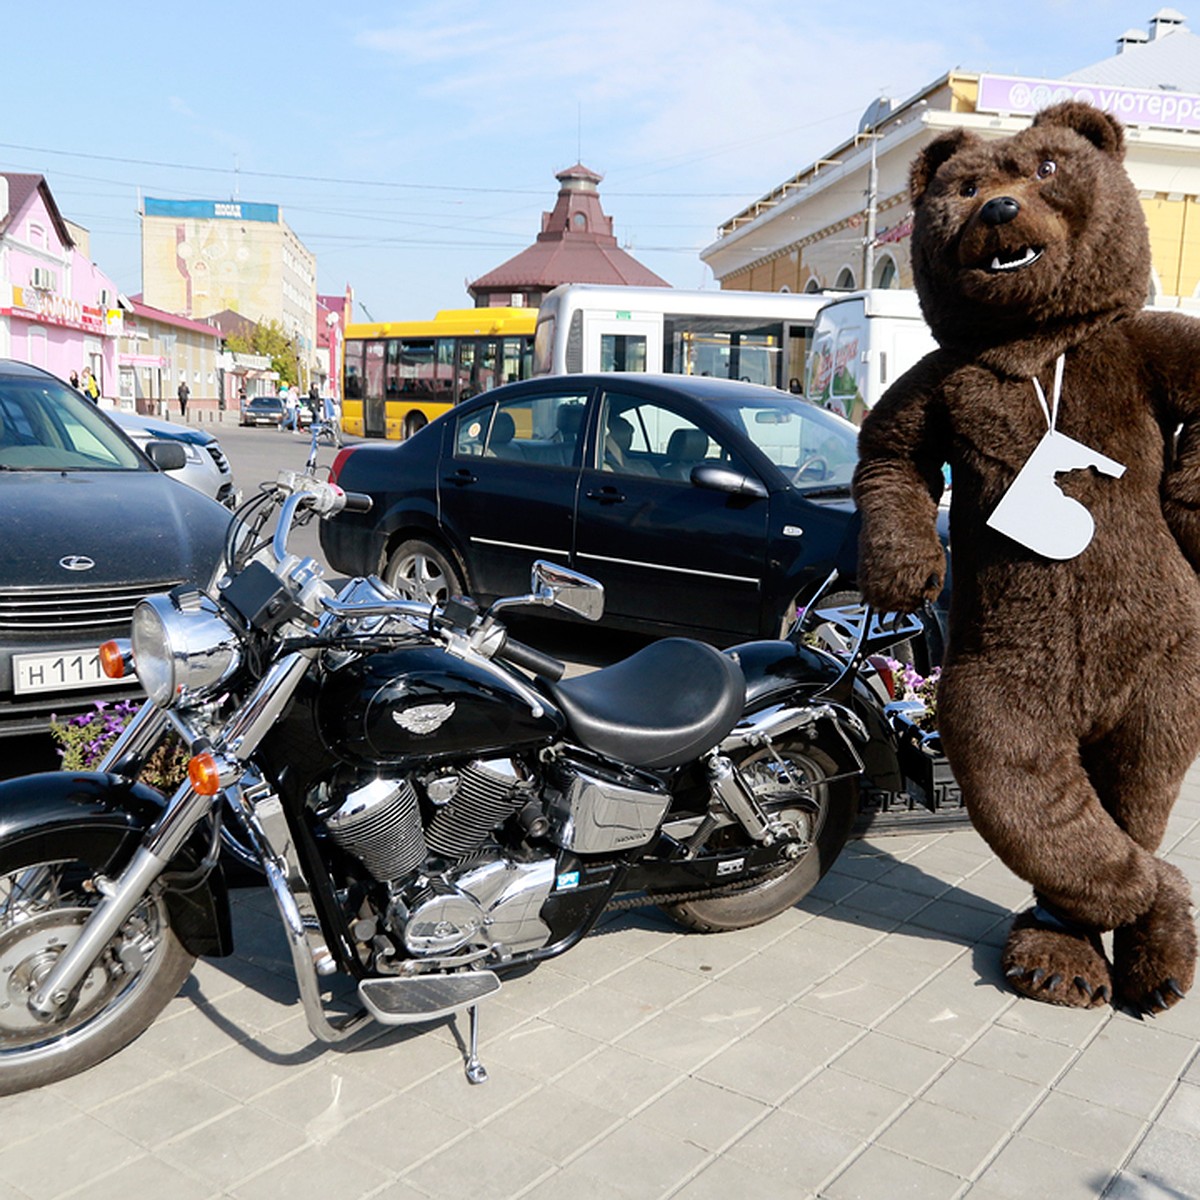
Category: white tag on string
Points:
column 1034, row 511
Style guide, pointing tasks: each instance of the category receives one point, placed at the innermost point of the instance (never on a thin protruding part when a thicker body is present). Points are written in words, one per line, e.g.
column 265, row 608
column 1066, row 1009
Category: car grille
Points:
column 71, row 611
column 218, row 456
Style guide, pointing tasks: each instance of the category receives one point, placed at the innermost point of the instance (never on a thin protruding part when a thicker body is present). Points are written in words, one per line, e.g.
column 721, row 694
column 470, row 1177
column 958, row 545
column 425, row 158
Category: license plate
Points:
column 58, row 672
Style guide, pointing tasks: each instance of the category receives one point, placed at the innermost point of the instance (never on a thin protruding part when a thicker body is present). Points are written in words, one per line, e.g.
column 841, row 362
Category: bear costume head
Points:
column 1035, row 237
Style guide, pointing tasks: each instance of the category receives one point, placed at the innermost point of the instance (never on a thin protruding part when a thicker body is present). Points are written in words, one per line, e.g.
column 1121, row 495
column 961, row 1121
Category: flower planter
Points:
column 931, row 794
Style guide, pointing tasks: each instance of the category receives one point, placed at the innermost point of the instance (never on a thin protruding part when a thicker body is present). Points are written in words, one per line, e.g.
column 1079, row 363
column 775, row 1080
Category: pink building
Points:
column 334, row 313
column 58, row 310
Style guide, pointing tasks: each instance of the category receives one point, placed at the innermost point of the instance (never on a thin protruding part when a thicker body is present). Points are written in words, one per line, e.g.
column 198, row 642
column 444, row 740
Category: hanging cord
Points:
column 1051, row 410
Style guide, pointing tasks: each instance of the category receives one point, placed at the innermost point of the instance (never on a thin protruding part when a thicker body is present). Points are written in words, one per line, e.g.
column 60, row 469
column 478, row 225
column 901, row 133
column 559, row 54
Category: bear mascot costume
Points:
column 1069, row 704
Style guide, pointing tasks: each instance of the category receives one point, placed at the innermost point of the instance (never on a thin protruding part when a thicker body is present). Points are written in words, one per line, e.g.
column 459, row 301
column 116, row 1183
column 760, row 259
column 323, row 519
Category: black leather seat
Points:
column 660, row 707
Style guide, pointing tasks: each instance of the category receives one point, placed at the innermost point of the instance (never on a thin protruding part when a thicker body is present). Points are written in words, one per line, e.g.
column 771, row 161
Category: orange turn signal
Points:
column 112, row 660
column 204, row 774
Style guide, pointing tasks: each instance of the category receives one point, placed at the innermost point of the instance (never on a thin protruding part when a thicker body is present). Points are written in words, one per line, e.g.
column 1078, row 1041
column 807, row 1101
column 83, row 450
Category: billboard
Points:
column 1135, row 106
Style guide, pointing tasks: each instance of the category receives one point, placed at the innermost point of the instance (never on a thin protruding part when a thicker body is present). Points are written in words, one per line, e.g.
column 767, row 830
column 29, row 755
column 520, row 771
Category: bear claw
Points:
column 1039, row 956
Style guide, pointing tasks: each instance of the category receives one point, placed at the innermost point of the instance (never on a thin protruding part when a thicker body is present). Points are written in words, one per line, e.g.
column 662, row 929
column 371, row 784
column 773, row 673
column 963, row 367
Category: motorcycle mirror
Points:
column 561, row 587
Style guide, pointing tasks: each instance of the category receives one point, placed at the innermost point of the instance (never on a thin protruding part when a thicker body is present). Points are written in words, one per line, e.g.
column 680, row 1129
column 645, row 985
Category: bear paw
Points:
column 1154, row 959
column 1057, row 964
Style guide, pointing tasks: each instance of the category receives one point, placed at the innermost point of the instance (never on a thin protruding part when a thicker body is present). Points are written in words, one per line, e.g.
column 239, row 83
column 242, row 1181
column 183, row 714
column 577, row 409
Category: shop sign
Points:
column 49, row 308
column 895, row 233
column 1134, row 106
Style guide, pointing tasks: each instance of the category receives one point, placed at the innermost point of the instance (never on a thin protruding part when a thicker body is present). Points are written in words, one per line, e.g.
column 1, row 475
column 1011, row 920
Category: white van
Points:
column 862, row 342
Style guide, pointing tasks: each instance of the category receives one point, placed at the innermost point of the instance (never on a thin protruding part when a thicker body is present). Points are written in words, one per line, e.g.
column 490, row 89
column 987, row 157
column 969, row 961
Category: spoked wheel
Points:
column 793, row 783
column 421, row 571
column 43, row 906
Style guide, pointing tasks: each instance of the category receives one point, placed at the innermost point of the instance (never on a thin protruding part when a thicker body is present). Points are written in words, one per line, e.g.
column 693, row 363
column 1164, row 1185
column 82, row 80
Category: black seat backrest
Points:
column 500, row 440
column 687, row 446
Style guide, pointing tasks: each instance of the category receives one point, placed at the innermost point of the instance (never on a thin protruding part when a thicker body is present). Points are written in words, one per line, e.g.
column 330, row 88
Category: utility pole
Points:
column 872, row 206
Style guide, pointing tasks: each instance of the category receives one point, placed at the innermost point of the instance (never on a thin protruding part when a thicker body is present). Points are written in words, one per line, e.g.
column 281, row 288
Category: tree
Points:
column 269, row 340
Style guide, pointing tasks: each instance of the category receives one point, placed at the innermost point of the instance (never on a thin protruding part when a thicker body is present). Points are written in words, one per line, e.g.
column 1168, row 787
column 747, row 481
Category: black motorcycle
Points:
column 431, row 803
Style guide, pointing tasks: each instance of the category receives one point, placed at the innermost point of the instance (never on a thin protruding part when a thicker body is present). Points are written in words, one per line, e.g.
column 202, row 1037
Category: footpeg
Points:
column 410, row 1000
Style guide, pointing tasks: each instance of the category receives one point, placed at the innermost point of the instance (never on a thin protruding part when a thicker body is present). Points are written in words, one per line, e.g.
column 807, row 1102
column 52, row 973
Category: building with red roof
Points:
column 576, row 245
column 58, row 310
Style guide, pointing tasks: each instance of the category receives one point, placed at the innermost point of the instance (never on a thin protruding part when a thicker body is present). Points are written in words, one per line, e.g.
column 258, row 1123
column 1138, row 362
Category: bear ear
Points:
column 941, row 149
column 1106, row 133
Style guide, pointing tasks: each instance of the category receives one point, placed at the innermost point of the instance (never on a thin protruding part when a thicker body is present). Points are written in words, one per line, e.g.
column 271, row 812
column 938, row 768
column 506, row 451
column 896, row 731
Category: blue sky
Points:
column 413, row 145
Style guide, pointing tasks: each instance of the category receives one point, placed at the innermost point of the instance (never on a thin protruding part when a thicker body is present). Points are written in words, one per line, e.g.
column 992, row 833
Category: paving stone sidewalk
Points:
column 861, row 1045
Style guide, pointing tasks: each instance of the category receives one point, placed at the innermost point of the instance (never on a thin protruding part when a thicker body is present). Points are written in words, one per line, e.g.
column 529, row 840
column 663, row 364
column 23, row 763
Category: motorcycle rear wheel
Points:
column 44, row 902
column 798, row 792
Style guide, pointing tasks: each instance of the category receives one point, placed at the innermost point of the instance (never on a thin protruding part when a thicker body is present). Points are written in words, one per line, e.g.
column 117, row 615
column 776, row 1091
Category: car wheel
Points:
column 413, row 422
column 422, row 571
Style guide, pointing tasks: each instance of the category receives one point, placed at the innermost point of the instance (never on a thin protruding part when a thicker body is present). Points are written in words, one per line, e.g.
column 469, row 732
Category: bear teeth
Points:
column 1028, row 256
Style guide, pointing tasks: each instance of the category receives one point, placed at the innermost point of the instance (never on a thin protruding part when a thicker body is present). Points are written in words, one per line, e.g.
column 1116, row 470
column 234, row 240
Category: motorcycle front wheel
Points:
column 794, row 783
column 44, row 901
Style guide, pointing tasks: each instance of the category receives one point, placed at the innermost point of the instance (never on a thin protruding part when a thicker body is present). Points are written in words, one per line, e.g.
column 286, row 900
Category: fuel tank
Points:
column 420, row 702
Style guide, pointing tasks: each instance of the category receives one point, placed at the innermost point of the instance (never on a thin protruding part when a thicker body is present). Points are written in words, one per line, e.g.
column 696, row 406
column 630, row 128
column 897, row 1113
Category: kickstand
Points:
column 476, row 1071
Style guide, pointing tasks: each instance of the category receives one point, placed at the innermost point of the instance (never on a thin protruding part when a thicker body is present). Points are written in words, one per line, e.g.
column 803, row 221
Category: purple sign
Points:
column 1134, row 106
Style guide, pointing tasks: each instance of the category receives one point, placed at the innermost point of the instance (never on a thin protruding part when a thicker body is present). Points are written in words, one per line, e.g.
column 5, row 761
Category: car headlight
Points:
column 182, row 647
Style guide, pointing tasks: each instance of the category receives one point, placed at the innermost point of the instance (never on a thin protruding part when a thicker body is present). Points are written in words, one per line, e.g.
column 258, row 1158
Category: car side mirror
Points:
column 166, row 456
column 718, row 477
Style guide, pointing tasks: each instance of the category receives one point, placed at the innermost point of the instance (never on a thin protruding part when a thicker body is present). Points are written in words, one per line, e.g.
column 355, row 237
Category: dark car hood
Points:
column 135, row 525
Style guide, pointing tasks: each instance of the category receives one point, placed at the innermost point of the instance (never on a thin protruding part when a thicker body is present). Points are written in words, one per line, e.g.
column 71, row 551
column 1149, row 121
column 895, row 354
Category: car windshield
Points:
column 47, row 426
column 815, row 449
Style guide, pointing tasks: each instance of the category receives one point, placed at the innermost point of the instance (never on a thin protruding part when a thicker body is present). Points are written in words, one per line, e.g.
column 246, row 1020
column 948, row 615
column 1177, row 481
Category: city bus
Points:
column 762, row 337
column 399, row 375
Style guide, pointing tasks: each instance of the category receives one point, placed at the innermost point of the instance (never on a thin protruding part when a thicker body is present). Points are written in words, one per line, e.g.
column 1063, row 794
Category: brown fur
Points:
column 1070, row 700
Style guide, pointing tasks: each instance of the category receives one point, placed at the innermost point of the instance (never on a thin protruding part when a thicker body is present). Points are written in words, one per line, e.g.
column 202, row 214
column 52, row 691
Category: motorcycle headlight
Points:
column 182, row 647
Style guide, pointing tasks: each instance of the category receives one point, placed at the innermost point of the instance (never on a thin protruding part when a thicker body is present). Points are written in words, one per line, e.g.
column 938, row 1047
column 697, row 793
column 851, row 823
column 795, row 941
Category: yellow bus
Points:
column 399, row 375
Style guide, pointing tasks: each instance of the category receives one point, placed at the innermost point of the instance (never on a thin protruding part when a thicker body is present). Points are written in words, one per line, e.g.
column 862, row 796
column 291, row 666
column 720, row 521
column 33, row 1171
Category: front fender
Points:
column 100, row 819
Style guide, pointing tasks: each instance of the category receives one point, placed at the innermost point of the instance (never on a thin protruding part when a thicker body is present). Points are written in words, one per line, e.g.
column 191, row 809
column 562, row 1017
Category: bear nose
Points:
column 999, row 211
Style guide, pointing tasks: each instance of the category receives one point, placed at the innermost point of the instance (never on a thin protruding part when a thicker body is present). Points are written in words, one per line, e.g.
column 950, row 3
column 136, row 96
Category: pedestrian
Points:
column 88, row 385
column 75, row 380
column 291, row 410
column 184, row 393
column 332, row 418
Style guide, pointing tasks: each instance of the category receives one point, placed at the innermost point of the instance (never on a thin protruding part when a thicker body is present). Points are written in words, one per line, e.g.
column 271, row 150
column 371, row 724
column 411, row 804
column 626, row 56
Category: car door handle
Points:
column 606, row 495
column 462, row 476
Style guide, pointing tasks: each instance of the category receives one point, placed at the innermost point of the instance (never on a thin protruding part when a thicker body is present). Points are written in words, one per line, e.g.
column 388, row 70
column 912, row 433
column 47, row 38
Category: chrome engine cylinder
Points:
column 380, row 823
column 487, row 792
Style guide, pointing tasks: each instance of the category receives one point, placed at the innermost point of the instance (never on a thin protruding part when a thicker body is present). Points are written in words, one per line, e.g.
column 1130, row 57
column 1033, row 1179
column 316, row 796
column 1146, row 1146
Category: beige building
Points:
column 845, row 221
column 200, row 257
column 158, row 351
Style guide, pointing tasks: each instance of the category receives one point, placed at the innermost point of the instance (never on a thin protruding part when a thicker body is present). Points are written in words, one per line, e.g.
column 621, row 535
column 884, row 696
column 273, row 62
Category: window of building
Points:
column 885, row 273
column 845, row 279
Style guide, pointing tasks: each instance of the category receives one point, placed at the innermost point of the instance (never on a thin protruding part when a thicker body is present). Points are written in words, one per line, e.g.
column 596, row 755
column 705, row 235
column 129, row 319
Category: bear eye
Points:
column 1046, row 169
column 968, row 190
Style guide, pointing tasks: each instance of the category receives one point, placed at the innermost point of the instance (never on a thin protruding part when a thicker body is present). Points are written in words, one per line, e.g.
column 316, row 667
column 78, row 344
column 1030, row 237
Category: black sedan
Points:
column 702, row 505
column 89, row 524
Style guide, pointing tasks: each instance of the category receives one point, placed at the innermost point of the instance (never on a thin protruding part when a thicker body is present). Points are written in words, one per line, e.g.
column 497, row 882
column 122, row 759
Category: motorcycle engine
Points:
column 451, row 886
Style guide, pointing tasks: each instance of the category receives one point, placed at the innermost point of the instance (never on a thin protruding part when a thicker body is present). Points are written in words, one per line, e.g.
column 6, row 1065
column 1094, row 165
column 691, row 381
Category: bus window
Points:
column 374, row 368
column 510, row 360
column 622, row 352
column 724, row 347
column 353, row 358
column 463, row 385
column 799, row 343
column 485, row 367
column 443, row 370
column 410, row 367
column 543, row 345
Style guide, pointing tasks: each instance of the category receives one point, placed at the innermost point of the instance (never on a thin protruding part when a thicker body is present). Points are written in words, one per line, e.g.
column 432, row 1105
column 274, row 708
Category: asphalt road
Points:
column 257, row 455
